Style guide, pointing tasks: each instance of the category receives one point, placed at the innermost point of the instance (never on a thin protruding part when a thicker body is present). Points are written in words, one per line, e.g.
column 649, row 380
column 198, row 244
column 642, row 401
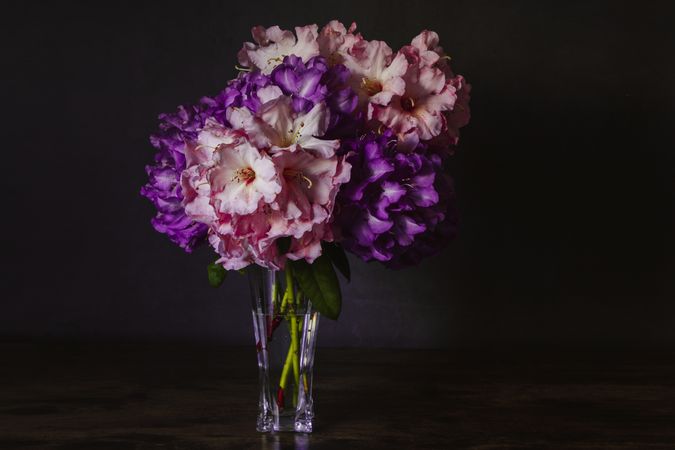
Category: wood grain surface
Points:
column 151, row 396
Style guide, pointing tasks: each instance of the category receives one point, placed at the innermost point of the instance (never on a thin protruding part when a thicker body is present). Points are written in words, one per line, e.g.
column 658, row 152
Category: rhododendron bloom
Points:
column 276, row 126
column 335, row 41
column 274, row 44
column 251, row 196
column 418, row 113
column 239, row 175
column 309, row 187
column 323, row 136
column 242, row 178
column 376, row 74
column 424, row 49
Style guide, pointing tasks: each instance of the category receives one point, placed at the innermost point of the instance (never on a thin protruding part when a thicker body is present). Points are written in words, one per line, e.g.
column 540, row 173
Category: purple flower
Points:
column 398, row 206
column 310, row 83
column 240, row 92
column 163, row 187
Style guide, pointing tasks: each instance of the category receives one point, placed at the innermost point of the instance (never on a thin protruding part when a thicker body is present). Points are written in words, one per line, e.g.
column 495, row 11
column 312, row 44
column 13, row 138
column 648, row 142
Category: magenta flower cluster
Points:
column 324, row 136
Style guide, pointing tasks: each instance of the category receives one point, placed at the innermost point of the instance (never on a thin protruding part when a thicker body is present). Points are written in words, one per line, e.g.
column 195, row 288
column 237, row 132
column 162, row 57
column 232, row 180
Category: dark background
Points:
column 565, row 174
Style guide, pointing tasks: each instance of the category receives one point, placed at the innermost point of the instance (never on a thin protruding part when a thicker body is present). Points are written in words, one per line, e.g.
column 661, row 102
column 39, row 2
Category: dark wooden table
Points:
column 130, row 396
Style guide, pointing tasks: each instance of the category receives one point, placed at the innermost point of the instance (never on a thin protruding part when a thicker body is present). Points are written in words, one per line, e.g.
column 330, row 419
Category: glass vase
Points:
column 285, row 327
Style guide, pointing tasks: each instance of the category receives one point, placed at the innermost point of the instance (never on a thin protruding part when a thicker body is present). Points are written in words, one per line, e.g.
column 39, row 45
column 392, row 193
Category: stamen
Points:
column 298, row 175
column 246, row 175
column 243, row 69
column 407, row 103
column 309, row 182
column 296, row 135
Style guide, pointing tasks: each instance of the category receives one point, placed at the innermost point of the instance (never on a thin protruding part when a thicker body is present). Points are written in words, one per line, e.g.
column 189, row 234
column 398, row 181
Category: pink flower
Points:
column 239, row 175
column 376, row 74
column 227, row 185
column 418, row 113
column 273, row 44
column 335, row 41
column 310, row 184
column 268, row 177
column 425, row 51
column 234, row 254
column 308, row 246
column 425, row 47
column 277, row 127
column 243, row 176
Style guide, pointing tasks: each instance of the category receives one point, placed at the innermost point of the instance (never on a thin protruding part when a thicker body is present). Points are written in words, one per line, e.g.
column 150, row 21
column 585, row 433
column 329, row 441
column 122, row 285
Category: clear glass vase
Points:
column 285, row 328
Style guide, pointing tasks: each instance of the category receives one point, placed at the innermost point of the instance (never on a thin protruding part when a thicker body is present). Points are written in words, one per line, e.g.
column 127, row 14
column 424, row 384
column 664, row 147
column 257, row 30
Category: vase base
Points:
column 287, row 423
column 303, row 426
column 265, row 424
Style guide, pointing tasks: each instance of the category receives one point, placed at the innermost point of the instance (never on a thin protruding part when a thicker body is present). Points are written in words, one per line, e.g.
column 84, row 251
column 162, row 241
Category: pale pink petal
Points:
column 212, row 135
column 197, row 154
column 308, row 247
column 306, row 46
column 431, row 80
column 259, row 133
column 444, row 101
column 315, row 122
column 269, row 93
column 397, row 68
column 331, row 39
column 196, row 192
column 266, row 179
column 235, row 193
column 320, row 147
column 234, row 255
column 273, row 44
column 393, row 116
column 426, row 40
column 278, row 114
column 429, row 123
column 378, row 54
column 281, row 37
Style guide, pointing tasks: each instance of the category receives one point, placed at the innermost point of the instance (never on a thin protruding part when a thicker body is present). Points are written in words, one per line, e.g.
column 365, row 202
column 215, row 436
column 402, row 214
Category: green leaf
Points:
column 217, row 274
column 337, row 255
column 320, row 283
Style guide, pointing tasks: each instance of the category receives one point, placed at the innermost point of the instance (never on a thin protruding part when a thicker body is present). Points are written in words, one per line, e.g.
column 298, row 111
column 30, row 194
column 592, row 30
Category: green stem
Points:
column 294, row 349
column 275, row 294
column 289, row 283
column 284, row 371
column 292, row 301
column 289, row 302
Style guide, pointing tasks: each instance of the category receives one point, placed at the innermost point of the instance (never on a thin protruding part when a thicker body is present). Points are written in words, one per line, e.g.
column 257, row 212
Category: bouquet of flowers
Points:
column 324, row 142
